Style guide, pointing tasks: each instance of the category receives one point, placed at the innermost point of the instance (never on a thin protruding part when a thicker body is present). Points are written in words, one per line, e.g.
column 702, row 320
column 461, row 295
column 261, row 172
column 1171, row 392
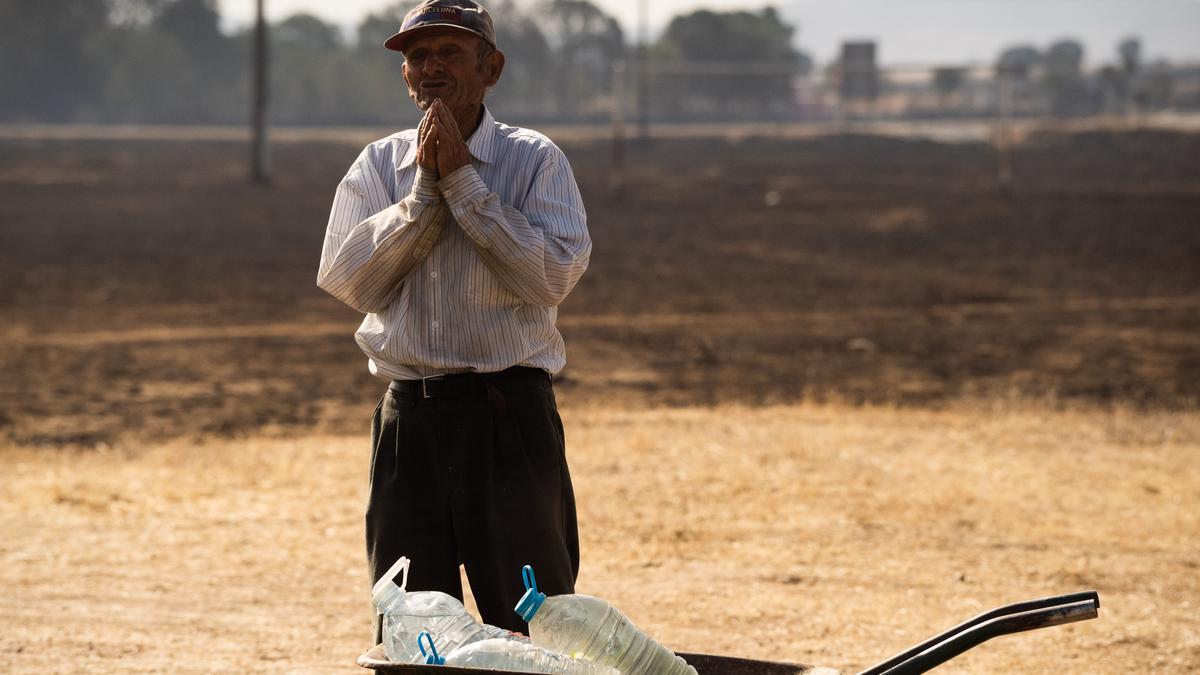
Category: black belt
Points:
column 461, row 384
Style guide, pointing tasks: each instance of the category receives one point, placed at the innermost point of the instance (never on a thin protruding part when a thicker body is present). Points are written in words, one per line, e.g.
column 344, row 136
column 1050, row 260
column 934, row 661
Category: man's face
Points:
column 444, row 64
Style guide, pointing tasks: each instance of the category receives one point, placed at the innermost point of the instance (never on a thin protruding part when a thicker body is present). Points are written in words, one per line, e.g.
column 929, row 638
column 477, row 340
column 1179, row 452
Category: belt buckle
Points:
column 425, row 384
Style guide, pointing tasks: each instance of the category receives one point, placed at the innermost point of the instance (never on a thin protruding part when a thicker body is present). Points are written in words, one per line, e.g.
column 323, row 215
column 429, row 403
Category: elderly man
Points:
column 458, row 240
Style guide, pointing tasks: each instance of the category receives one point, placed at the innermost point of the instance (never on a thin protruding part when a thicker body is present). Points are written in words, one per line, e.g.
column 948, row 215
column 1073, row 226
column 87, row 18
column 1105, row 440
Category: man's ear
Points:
column 495, row 67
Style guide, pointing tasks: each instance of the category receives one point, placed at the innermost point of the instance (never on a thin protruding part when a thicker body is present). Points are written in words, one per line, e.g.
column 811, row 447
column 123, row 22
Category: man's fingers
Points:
column 442, row 114
column 443, row 129
column 426, row 119
column 427, row 147
column 447, row 121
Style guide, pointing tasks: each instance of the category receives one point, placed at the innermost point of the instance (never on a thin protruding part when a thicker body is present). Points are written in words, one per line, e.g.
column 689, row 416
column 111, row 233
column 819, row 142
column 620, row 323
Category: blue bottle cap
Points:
column 431, row 657
column 532, row 601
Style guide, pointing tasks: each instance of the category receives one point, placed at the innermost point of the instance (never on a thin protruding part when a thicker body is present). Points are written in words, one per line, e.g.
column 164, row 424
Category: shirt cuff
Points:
column 425, row 187
column 463, row 184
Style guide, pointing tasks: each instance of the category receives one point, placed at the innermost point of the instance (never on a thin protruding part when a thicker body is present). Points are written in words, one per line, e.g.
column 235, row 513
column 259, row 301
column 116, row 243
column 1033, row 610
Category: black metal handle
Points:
column 1014, row 618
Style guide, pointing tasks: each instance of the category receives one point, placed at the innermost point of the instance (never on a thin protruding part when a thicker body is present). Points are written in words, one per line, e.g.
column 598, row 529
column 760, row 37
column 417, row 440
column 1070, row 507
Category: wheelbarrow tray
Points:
column 920, row 658
column 705, row 664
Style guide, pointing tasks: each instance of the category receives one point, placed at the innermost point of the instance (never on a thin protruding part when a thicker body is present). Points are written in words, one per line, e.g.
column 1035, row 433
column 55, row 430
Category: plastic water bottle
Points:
column 587, row 627
column 500, row 654
column 406, row 615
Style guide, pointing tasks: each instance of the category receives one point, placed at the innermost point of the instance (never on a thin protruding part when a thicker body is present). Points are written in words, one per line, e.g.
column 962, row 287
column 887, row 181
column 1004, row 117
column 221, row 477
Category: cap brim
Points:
column 400, row 40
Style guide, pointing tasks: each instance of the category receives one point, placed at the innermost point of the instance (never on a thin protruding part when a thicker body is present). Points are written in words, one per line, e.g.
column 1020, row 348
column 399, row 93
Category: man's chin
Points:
column 423, row 99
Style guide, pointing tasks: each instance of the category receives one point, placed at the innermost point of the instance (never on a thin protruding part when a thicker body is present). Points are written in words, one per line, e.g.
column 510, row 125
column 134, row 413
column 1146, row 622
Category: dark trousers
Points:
column 476, row 476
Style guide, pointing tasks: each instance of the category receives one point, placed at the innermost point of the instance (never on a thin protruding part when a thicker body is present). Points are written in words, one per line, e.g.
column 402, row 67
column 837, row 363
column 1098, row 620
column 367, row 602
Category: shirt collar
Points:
column 481, row 144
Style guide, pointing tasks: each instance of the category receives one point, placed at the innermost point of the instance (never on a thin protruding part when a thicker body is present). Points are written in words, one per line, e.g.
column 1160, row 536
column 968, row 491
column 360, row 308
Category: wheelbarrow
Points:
column 1015, row 618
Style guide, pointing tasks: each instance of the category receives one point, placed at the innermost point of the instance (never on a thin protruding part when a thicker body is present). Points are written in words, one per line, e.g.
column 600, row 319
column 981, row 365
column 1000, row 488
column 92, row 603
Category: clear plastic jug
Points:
column 500, row 654
column 406, row 615
column 587, row 627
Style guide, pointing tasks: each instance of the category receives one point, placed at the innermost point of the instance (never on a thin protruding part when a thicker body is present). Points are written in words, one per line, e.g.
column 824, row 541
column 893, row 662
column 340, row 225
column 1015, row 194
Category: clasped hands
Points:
column 440, row 145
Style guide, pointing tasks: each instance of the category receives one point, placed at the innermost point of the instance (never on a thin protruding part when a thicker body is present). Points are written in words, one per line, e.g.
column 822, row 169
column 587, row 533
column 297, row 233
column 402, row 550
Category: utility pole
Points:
column 1004, row 133
column 260, row 161
column 616, row 179
column 643, row 68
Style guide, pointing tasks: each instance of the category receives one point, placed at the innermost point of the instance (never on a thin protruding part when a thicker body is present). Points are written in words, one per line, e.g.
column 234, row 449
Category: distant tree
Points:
column 753, row 38
column 380, row 94
column 1155, row 88
column 1112, row 88
column 312, row 73
column 1117, row 80
column 583, row 41
column 705, row 35
column 1064, row 59
column 376, row 27
column 1019, row 62
column 1063, row 78
column 134, row 12
column 1130, row 52
column 526, row 86
column 195, row 23
column 45, row 75
column 947, row 81
column 306, row 31
column 203, row 83
column 148, row 78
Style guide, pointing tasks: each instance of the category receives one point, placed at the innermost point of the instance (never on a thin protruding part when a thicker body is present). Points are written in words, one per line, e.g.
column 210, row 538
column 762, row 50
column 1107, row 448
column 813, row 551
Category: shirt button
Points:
column 433, row 274
column 437, row 324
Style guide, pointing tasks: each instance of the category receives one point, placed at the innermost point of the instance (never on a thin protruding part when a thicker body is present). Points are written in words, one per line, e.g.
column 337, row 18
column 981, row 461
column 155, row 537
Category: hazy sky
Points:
column 909, row 31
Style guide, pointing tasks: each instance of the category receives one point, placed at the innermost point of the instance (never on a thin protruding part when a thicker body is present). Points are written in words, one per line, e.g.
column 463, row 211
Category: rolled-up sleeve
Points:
column 372, row 245
column 538, row 252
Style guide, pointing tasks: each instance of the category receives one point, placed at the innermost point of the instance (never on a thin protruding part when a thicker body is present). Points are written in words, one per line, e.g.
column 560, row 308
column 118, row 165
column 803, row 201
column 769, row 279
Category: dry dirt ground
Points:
column 825, row 397
column 813, row 533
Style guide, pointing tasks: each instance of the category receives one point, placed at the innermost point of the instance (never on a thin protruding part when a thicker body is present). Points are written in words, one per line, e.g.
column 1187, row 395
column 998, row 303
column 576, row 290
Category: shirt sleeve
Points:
column 538, row 252
column 372, row 245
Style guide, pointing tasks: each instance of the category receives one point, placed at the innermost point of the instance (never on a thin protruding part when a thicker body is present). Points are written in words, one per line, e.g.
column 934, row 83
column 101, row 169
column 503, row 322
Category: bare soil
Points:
column 148, row 289
column 825, row 397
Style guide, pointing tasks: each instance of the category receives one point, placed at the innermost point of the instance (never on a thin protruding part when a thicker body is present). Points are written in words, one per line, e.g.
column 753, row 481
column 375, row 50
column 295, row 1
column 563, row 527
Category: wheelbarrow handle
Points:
column 1014, row 618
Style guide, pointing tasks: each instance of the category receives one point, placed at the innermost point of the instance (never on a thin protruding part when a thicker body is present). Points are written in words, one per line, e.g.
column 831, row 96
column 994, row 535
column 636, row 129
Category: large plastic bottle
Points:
column 406, row 615
column 587, row 627
column 500, row 654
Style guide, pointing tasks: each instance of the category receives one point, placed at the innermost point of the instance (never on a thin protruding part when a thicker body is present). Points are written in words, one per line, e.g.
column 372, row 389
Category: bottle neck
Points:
column 388, row 597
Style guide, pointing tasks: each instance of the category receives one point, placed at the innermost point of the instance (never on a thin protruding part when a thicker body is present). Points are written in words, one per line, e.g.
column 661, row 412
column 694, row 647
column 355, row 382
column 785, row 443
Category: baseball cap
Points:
column 461, row 14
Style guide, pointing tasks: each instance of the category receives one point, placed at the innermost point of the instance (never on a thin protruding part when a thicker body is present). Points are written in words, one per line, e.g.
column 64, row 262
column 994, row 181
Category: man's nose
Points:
column 434, row 63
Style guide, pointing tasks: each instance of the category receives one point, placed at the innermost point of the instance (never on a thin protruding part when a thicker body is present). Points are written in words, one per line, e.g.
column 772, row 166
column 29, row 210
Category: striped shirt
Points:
column 459, row 274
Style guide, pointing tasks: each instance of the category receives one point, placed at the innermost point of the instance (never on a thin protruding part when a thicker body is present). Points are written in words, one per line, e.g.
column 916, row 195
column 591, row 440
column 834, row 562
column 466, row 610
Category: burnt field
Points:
column 148, row 291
